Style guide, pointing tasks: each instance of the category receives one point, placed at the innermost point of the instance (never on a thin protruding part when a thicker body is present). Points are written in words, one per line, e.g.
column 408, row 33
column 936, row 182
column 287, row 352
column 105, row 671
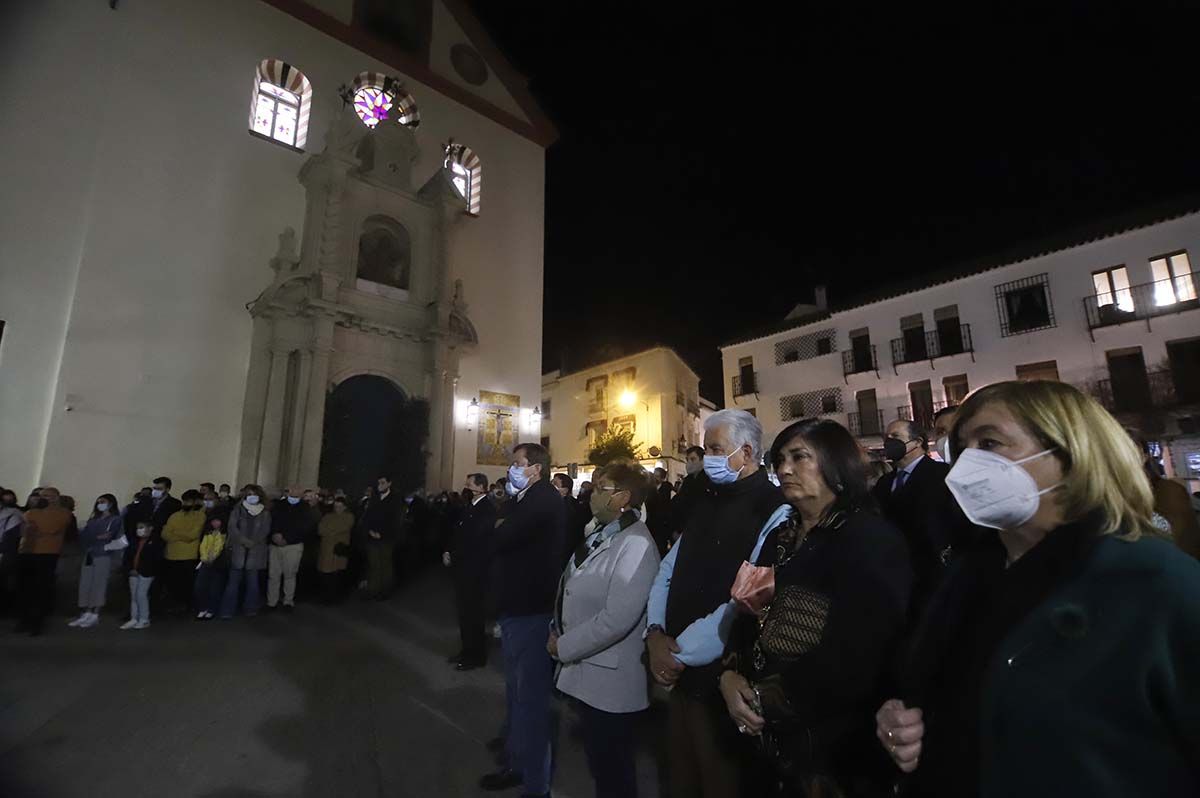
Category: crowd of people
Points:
column 1005, row 604
column 211, row 553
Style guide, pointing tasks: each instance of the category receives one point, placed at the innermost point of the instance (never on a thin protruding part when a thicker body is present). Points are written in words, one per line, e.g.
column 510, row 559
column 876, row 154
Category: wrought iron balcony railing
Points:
column 1143, row 301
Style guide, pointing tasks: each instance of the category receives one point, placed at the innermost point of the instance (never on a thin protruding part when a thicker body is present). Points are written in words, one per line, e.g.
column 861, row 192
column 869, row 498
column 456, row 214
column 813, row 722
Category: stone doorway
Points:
column 372, row 429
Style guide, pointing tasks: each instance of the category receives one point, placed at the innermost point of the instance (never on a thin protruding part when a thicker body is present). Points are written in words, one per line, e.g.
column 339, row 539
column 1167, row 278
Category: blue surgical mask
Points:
column 252, row 499
column 293, row 499
column 102, row 506
column 718, row 470
column 157, row 493
column 517, row 477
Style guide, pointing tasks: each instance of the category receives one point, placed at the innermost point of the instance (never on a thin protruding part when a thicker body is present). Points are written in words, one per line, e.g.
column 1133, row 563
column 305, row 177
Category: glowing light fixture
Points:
column 472, row 413
column 627, row 400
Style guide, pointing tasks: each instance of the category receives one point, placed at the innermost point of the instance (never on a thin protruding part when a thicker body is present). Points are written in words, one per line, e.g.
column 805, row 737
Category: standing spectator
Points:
column 1170, row 501
column 468, row 555
column 689, row 608
column 224, row 499
column 808, row 660
column 334, row 531
column 915, row 499
column 207, row 488
column 943, row 422
column 1059, row 657
column 689, row 492
column 182, row 536
column 658, row 510
column 292, row 523
column 599, row 621
column 585, row 495
column 213, row 569
column 381, row 520
column 42, row 536
column 11, row 519
column 249, row 527
column 102, row 528
column 165, row 505
column 527, row 551
column 142, row 560
column 577, row 514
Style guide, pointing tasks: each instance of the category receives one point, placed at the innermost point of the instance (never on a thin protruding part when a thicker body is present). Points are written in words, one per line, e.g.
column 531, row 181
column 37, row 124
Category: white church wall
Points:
column 170, row 210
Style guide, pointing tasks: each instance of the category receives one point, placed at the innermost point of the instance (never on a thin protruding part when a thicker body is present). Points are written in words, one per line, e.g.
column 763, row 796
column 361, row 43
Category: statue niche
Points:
column 385, row 253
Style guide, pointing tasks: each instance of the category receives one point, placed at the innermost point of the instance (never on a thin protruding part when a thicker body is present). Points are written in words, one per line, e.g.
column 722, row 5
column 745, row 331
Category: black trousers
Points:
column 608, row 742
column 35, row 573
column 181, row 579
column 469, row 587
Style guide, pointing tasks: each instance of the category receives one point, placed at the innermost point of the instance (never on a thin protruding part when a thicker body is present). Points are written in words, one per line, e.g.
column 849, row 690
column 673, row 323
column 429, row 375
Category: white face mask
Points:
column 293, row 500
column 252, row 499
column 143, row 532
column 994, row 491
column 102, row 507
column 943, row 448
column 157, row 493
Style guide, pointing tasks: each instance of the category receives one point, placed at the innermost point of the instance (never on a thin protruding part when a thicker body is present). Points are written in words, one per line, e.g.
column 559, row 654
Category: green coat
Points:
column 1096, row 692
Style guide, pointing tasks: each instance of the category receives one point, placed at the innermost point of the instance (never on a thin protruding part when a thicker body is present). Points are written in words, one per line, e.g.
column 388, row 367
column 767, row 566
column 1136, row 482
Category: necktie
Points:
column 901, row 478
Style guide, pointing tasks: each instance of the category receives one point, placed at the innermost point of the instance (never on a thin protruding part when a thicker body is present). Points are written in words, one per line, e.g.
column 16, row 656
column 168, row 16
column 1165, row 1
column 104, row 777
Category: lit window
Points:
column 377, row 97
column 465, row 173
column 280, row 104
column 1112, row 287
column 1172, row 279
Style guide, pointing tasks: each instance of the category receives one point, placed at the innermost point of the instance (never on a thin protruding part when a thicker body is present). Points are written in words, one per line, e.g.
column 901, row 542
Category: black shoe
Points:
column 500, row 780
column 495, row 745
column 469, row 665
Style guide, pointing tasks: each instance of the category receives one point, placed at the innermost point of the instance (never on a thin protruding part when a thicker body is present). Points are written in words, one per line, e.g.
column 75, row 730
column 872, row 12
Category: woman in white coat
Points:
column 599, row 618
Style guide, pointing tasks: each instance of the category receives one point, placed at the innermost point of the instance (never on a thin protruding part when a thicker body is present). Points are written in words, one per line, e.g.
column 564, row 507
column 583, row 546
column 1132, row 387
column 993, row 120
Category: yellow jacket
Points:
column 211, row 546
column 182, row 535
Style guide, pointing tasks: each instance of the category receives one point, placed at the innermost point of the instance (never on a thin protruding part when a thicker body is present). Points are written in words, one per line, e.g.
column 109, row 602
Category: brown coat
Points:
column 44, row 530
column 334, row 529
column 1172, row 502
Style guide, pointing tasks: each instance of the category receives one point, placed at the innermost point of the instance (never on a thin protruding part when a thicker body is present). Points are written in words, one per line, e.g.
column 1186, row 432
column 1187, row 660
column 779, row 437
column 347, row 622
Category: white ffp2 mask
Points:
column 994, row 491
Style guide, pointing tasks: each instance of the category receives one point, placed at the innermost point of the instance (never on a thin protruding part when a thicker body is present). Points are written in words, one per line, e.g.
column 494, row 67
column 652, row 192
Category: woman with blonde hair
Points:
column 1059, row 658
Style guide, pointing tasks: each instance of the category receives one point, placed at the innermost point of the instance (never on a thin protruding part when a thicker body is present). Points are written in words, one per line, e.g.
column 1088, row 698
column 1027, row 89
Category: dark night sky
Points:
column 714, row 166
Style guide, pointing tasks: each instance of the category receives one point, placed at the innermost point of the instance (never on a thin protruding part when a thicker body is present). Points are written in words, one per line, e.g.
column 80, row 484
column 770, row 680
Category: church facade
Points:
column 261, row 249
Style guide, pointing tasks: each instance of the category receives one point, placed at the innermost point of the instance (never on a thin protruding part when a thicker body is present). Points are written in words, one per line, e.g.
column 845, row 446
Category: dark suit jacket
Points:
column 166, row 508
column 527, row 549
column 469, row 546
column 383, row 516
column 930, row 519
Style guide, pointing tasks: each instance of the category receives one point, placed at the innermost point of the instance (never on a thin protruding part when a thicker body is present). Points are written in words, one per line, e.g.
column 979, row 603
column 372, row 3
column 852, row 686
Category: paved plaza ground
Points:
column 353, row 700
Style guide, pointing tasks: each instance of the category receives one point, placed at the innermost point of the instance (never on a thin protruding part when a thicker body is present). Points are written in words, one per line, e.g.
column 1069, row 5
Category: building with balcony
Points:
column 1116, row 313
column 653, row 394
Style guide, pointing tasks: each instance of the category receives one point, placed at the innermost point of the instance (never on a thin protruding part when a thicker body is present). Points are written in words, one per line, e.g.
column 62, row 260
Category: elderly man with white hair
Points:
column 689, row 612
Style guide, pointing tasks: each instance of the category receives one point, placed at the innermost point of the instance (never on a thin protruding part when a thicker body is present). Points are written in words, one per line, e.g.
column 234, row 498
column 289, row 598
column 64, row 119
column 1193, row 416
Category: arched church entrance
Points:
column 372, row 429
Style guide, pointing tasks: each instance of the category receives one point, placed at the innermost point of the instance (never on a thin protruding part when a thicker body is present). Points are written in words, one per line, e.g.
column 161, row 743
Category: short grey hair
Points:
column 742, row 428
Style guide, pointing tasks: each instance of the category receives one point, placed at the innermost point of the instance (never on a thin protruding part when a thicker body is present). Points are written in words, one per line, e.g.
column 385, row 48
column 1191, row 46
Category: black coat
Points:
column 527, row 549
column 383, row 516
column 841, row 600
column 469, row 544
column 931, row 520
column 166, row 508
column 151, row 557
column 685, row 500
column 577, row 518
column 296, row 522
column 720, row 536
column 658, row 507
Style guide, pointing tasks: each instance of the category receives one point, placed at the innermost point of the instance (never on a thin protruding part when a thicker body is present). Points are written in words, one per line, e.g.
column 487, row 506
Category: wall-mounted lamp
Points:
column 472, row 413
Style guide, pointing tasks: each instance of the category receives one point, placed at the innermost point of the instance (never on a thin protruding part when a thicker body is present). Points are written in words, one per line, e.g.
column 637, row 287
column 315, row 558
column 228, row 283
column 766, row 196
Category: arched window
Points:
column 385, row 253
column 377, row 97
column 466, row 174
column 280, row 104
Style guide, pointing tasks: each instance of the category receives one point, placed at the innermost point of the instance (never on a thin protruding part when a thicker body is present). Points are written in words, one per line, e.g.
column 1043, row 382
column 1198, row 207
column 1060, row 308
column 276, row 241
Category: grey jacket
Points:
column 248, row 538
column 603, row 610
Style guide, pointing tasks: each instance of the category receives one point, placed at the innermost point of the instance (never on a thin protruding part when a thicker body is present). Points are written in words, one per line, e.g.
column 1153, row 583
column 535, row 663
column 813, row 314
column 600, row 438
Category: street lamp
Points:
column 628, row 399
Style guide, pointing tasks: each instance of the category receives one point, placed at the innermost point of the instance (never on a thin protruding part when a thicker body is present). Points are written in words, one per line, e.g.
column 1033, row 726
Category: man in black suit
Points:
column 658, row 508
column 527, row 547
column 578, row 514
column 915, row 498
column 467, row 553
column 381, row 523
column 165, row 505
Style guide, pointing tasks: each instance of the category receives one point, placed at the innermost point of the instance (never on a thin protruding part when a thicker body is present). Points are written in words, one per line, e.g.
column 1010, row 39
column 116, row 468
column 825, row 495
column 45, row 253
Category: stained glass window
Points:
column 461, row 178
column 372, row 105
column 275, row 113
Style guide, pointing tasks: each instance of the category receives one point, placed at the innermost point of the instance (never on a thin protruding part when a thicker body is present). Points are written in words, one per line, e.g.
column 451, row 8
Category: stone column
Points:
column 437, row 408
column 297, row 416
column 258, row 378
column 272, row 428
column 448, row 437
column 314, row 416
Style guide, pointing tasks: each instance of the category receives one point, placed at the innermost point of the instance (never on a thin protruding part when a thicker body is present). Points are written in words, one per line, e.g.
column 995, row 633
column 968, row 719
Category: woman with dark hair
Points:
column 820, row 613
column 102, row 528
